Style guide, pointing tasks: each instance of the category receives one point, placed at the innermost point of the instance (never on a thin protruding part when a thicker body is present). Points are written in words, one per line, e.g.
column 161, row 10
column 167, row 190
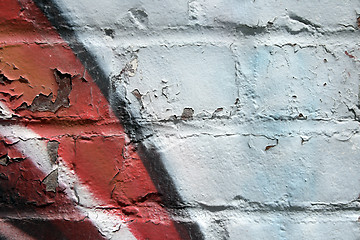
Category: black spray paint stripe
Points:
column 48, row 229
column 149, row 155
column 43, row 228
column 16, row 209
column 38, row 229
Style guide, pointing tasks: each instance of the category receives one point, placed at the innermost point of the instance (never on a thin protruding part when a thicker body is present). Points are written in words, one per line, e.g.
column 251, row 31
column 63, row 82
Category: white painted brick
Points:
column 194, row 54
column 218, row 169
column 296, row 15
column 284, row 81
column 197, row 77
column 294, row 227
column 129, row 13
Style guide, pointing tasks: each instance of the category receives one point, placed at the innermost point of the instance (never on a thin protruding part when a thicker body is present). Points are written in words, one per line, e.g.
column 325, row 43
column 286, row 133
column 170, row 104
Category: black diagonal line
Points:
column 39, row 229
column 39, row 226
column 149, row 155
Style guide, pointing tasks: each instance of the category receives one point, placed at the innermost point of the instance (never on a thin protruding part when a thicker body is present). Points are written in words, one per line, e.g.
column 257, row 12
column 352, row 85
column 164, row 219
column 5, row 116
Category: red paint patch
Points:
column 24, row 195
column 91, row 139
column 349, row 55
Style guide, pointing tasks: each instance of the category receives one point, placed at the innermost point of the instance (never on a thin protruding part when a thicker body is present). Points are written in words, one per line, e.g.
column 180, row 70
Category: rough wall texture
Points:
column 219, row 119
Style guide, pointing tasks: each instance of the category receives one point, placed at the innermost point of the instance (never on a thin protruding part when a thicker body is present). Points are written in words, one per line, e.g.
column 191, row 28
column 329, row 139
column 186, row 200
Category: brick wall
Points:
column 179, row 119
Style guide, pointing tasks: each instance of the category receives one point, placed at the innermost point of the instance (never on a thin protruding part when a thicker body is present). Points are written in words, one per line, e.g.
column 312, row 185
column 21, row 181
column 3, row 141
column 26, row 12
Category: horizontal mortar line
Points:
column 217, row 135
column 256, row 218
column 18, row 43
column 181, row 38
column 57, row 121
column 339, row 214
column 269, row 136
column 243, row 29
column 232, row 119
column 295, row 205
column 82, row 136
column 101, row 122
column 65, row 217
column 246, row 203
column 298, row 215
column 298, row 130
column 170, row 41
column 247, row 129
column 144, row 43
column 283, row 210
column 44, row 217
column 185, row 35
column 65, row 131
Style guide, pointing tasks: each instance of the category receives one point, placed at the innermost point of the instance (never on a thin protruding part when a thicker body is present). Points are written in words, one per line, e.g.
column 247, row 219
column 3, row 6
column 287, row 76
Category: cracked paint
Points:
column 186, row 120
column 48, row 90
column 51, row 181
column 45, row 103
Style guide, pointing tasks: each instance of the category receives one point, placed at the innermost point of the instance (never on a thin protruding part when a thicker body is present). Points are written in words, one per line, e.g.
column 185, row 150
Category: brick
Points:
column 308, row 15
column 291, row 81
column 232, row 119
column 294, row 226
column 204, row 82
column 298, row 169
column 128, row 13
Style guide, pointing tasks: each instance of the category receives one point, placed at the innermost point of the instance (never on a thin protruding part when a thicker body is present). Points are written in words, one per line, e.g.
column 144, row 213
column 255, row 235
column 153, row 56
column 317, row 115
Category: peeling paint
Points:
column 187, row 113
column 52, row 148
column 51, row 181
column 181, row 120
column 72, row 158
column 44, row 103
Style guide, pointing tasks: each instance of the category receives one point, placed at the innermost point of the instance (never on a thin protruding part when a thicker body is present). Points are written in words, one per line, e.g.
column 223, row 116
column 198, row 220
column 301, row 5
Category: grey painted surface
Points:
column 271, row 151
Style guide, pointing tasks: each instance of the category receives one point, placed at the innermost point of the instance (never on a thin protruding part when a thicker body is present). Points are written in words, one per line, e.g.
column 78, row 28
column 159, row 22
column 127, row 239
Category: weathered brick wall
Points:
column 193, row 119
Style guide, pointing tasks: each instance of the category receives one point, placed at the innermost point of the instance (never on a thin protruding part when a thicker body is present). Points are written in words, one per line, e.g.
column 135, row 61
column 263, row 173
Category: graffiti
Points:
column 67, row 163
column 179, row 119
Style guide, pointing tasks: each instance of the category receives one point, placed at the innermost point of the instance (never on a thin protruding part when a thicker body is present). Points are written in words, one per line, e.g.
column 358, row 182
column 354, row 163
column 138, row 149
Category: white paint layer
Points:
column 274, row 89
